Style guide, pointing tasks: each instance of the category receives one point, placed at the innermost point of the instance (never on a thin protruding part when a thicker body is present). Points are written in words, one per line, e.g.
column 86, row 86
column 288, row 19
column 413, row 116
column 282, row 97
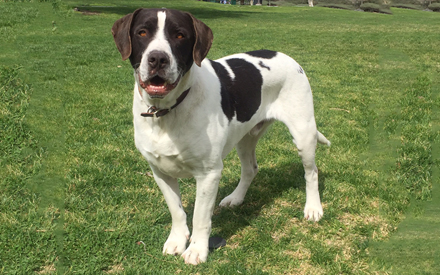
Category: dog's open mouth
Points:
column 157, row 87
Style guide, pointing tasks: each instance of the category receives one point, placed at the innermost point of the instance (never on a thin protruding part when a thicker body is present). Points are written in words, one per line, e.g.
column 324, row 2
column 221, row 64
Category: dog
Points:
column 190, row 112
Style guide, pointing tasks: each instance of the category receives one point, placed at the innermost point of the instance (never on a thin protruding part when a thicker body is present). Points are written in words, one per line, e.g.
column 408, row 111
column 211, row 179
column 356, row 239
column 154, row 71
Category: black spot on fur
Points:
column 262, row 65
column 263, row 54
column 246, row 88
column 241, row 97
column 225, row 84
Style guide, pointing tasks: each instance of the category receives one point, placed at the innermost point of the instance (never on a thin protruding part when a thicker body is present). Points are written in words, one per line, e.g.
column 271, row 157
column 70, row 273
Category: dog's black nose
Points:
column 158, row 60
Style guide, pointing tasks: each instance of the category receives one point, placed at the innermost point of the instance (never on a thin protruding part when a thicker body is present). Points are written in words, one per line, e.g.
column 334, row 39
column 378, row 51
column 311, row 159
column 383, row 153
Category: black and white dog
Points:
column 188, row 117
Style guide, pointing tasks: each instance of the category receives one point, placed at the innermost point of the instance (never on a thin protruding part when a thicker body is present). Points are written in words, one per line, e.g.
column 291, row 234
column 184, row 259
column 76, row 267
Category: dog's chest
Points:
column 160, row 150
column 170, row 165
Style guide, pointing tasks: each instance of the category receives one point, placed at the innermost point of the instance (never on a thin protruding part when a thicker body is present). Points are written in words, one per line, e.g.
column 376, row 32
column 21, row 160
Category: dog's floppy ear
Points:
column 121, row 34
column 203, row 42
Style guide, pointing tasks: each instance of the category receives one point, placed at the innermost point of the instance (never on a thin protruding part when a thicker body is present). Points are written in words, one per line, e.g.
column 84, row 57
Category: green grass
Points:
column 76, row 197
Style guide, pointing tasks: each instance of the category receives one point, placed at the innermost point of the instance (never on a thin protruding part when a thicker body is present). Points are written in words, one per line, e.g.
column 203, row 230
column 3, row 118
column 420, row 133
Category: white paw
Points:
column 176, row 243
column 313, row 212
column 196, row 253
column 231, row 201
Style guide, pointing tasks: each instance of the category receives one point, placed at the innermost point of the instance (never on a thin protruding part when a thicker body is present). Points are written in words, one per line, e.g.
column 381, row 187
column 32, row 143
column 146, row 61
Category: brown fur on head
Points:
column 121, row 34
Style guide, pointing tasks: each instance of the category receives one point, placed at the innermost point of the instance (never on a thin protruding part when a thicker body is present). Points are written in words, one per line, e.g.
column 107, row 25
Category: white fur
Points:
column 193, row 139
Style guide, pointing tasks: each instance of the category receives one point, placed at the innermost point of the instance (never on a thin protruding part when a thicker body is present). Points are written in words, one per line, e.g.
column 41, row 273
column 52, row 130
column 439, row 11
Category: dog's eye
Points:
column 142, row 33
column 180, row 36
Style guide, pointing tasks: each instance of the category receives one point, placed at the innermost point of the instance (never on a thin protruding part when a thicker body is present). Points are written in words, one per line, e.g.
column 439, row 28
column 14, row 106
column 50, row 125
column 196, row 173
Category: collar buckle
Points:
column 153, row 111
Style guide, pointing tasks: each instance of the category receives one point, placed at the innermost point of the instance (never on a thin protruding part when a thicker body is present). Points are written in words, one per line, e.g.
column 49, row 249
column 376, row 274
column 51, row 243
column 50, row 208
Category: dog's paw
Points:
column 313, row 213
column 176, row 243
column 196, row 253
column 231, row 201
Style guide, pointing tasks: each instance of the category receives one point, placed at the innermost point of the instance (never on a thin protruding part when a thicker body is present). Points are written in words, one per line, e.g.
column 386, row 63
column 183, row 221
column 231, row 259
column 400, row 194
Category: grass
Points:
column 77, row 198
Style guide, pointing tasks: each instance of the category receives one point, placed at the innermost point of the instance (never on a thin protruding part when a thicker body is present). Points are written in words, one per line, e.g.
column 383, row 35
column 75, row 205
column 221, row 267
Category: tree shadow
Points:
column 200, row 13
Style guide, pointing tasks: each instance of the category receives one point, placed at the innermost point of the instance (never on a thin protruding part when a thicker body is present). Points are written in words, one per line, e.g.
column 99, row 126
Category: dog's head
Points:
column 162, row 45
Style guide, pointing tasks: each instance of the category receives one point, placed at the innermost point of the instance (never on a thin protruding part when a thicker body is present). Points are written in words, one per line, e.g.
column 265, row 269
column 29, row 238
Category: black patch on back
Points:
column 263, row 54
column 225, row 85
column 241, row 97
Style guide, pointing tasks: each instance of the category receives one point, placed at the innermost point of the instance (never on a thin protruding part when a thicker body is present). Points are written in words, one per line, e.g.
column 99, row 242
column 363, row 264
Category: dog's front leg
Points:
column 207, row 187
column 179, row 235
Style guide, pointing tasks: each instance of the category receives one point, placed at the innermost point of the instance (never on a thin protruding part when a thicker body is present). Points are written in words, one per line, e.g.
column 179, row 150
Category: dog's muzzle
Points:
column 158, row 85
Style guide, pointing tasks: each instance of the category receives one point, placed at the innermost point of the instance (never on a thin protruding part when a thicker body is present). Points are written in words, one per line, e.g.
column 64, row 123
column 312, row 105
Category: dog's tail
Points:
column 322, row 139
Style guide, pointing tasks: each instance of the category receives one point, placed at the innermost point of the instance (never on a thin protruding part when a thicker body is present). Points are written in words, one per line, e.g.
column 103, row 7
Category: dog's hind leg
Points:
column 306, row 137
column 249, row 167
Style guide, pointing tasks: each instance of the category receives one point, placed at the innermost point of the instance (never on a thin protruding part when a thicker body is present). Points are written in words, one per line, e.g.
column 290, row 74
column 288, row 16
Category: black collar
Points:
column 153, row 111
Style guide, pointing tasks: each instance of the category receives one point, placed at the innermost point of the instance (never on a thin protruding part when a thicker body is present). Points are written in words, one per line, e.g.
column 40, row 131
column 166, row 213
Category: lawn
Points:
column 77, row 198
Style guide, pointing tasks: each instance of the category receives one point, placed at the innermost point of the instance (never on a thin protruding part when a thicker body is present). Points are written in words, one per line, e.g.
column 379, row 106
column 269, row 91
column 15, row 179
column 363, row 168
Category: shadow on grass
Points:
column 267, row 186
column 201, row 13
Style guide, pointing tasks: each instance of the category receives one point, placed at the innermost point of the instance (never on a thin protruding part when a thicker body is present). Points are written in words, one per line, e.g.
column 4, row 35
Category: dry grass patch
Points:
column 49, row 269
column 115, row 269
